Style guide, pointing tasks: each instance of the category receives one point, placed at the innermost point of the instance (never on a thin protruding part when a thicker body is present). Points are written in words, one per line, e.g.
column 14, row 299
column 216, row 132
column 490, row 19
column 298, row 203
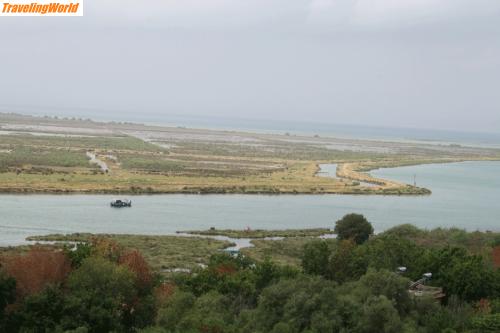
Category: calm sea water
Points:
column 465, row 195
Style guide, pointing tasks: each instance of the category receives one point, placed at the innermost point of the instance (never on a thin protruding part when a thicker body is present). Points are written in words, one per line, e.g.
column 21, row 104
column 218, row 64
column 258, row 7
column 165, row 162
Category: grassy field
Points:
column 161, row 252
column 259, row 233
column 21, row 156
column 168, row 252
column 287, row 251
column 122, row 142
column 47, row 155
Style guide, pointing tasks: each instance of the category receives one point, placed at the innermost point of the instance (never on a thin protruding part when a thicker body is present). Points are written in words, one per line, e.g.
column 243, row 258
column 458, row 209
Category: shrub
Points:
column 315, row 258
column 101, row 295
column 355, row 227
column 136, row 263
column 37, row 269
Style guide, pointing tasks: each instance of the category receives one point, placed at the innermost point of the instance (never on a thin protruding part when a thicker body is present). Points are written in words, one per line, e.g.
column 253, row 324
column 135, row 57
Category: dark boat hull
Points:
column 121, row 204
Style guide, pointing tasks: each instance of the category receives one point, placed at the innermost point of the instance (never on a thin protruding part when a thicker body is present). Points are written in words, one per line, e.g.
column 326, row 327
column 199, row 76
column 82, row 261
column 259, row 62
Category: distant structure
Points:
column 419, row 289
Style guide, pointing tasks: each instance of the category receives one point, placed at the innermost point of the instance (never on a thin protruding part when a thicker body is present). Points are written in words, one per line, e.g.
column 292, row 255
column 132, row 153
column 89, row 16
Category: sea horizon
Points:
column 292, row 127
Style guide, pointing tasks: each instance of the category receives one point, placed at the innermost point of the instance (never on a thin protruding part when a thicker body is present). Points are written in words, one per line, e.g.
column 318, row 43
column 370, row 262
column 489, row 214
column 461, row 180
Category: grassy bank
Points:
column 44, row 155
column 164, row 252
column 260, row 233
column 161, row 252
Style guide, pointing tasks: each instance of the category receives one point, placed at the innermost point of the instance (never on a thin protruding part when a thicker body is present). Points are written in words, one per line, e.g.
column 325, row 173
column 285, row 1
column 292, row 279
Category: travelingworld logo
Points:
column 41, row 8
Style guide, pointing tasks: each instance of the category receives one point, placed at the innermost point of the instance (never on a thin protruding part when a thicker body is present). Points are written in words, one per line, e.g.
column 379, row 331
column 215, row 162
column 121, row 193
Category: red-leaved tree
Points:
column 134, row 261
column 163, row 293
column 496, row 256
column 37, row 269
column 106, row 248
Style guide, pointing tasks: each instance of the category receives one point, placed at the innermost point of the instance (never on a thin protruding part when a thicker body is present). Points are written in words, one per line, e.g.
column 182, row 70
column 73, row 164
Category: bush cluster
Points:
column 342, row 286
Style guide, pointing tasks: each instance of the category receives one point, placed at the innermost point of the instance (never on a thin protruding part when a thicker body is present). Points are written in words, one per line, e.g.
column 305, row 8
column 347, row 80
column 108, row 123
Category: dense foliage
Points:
column 355, row 227
column 343, row 286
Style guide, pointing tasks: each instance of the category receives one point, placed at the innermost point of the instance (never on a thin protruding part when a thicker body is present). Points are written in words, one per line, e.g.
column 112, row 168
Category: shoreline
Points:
column 308, row 133
column 150, row 160
column 219, row 191
column 354, row 171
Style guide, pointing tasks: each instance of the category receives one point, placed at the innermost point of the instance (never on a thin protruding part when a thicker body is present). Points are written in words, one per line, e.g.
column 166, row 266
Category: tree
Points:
column 41, row 312
column 380, row 316
column 290, row 305
column 438, row 318
column 315, row 258
column 226, row 275
column 211, row 312
column 391, row 285
column 342, row 266
column 7, row 293
column 136, row 263
column 101, row 295
column 265, row 273
column 389, row 251
column 355, row 227
column 36, row 270
column 471, row 279
column 174, row 308
column 462, row 274
column 78, row 253
column 106, row 248
column 487, row 323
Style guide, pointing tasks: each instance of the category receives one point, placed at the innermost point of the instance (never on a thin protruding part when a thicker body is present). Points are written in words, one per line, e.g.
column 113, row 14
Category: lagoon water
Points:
column 465, row 195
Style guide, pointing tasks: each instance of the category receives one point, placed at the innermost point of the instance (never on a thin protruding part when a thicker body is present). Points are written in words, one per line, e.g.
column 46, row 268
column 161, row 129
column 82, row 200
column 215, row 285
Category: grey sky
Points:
column 408, row 63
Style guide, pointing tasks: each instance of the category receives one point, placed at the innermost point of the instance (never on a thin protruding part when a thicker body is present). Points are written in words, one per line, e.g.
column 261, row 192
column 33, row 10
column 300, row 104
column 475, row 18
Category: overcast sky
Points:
column 404, row 63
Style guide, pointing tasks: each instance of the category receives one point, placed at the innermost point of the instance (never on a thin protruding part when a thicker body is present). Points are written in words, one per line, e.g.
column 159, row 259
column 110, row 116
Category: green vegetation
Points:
column 469, row 276
column 7, row 293
column 259, row 233
column 288, row 150
column 44, row 154
column 80, row 142
column 21, row 156
column 306, row 285
column 150, row 163
column 355, row 227
column 475, row 242
column 161, row 252
column 288, row 251
column 108, row 289
column 154, row 159
column 284, row 252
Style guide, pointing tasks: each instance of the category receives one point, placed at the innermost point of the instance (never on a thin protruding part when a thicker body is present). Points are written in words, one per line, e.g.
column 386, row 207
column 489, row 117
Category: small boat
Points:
column 121, row 203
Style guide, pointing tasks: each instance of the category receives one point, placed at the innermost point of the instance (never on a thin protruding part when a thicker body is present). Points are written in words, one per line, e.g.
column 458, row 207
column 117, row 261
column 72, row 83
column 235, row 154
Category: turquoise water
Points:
column 465, row 195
